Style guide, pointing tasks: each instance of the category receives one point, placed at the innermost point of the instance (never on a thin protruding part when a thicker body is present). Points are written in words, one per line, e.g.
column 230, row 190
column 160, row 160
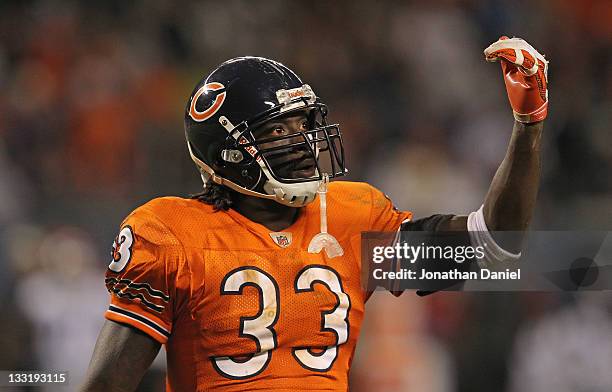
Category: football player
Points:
column 255, row 283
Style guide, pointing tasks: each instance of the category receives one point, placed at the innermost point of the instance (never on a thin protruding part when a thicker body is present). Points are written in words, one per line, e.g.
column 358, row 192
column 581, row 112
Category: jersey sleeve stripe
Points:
column 141, row 320
column 136, row 285
column 143, row 300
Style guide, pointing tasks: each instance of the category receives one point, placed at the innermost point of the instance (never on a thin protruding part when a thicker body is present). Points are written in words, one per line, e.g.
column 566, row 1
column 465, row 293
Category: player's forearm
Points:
column 510, row 201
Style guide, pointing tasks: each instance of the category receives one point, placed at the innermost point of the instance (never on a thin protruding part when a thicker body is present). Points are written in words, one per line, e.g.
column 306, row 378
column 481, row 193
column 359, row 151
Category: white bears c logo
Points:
column 122, row 250
column 214, row 108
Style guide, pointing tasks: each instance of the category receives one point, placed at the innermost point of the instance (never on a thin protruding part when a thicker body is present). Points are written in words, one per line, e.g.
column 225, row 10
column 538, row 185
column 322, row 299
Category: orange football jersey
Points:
column 240, row 307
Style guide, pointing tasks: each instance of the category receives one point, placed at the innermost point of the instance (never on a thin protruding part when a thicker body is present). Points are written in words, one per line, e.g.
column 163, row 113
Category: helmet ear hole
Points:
column 248, row 176
column 218, row 164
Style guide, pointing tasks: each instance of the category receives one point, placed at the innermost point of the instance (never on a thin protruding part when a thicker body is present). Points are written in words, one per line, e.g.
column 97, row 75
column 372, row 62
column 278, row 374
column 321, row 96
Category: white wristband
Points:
column 494, row 254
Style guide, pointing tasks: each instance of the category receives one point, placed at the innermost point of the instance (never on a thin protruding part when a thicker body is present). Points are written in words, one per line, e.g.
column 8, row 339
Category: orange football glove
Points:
column 525, row 74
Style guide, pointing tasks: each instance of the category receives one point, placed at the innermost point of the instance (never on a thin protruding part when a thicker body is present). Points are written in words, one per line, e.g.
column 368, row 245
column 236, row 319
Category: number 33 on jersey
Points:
column 236, row 310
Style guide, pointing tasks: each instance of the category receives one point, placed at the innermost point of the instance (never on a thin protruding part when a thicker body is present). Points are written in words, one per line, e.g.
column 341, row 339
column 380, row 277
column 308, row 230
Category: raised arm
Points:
column 510, row 201
column 121, row 357
column 511, row 198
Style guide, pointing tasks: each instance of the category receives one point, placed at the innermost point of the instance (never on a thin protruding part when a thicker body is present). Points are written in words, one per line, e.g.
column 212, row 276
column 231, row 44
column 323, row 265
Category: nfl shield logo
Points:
column 282, row 239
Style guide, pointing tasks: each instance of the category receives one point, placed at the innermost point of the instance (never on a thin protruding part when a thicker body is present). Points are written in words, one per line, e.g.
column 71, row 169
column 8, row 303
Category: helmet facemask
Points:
column 287, row 168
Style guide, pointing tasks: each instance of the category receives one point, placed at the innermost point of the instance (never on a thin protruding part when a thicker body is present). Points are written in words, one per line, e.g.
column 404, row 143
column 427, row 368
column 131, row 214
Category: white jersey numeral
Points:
column 122, row 250
column 258, row 327
column 335, row 320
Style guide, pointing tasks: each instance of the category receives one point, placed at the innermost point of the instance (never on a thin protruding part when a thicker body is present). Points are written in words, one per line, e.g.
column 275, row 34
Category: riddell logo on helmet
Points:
column 214, row 108
column 295, row 94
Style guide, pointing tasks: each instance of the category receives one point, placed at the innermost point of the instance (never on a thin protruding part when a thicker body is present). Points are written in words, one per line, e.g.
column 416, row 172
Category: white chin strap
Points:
column 291, row 195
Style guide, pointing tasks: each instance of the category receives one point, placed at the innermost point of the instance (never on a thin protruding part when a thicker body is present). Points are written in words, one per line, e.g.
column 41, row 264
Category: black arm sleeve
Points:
column 431, row 225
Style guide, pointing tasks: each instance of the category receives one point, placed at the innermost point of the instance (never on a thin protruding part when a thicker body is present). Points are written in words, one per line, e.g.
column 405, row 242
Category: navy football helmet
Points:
column 222, row 117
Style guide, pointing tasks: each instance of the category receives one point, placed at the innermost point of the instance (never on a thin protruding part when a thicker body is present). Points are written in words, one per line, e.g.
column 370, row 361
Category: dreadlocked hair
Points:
column 217, row 195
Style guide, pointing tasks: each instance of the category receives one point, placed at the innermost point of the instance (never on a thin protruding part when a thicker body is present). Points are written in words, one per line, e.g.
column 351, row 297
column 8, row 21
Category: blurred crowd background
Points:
column 91, row 104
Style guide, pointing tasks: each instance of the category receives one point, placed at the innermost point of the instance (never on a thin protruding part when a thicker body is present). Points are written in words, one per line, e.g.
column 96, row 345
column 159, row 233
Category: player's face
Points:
column 290, row 162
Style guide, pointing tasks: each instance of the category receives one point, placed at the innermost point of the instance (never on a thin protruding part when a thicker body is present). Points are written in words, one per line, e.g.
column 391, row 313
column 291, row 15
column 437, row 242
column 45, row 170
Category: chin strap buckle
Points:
column 324, row 240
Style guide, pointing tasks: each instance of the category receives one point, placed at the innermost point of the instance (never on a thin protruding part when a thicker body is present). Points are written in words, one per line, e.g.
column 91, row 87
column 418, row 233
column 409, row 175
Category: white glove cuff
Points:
column 480, row 236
